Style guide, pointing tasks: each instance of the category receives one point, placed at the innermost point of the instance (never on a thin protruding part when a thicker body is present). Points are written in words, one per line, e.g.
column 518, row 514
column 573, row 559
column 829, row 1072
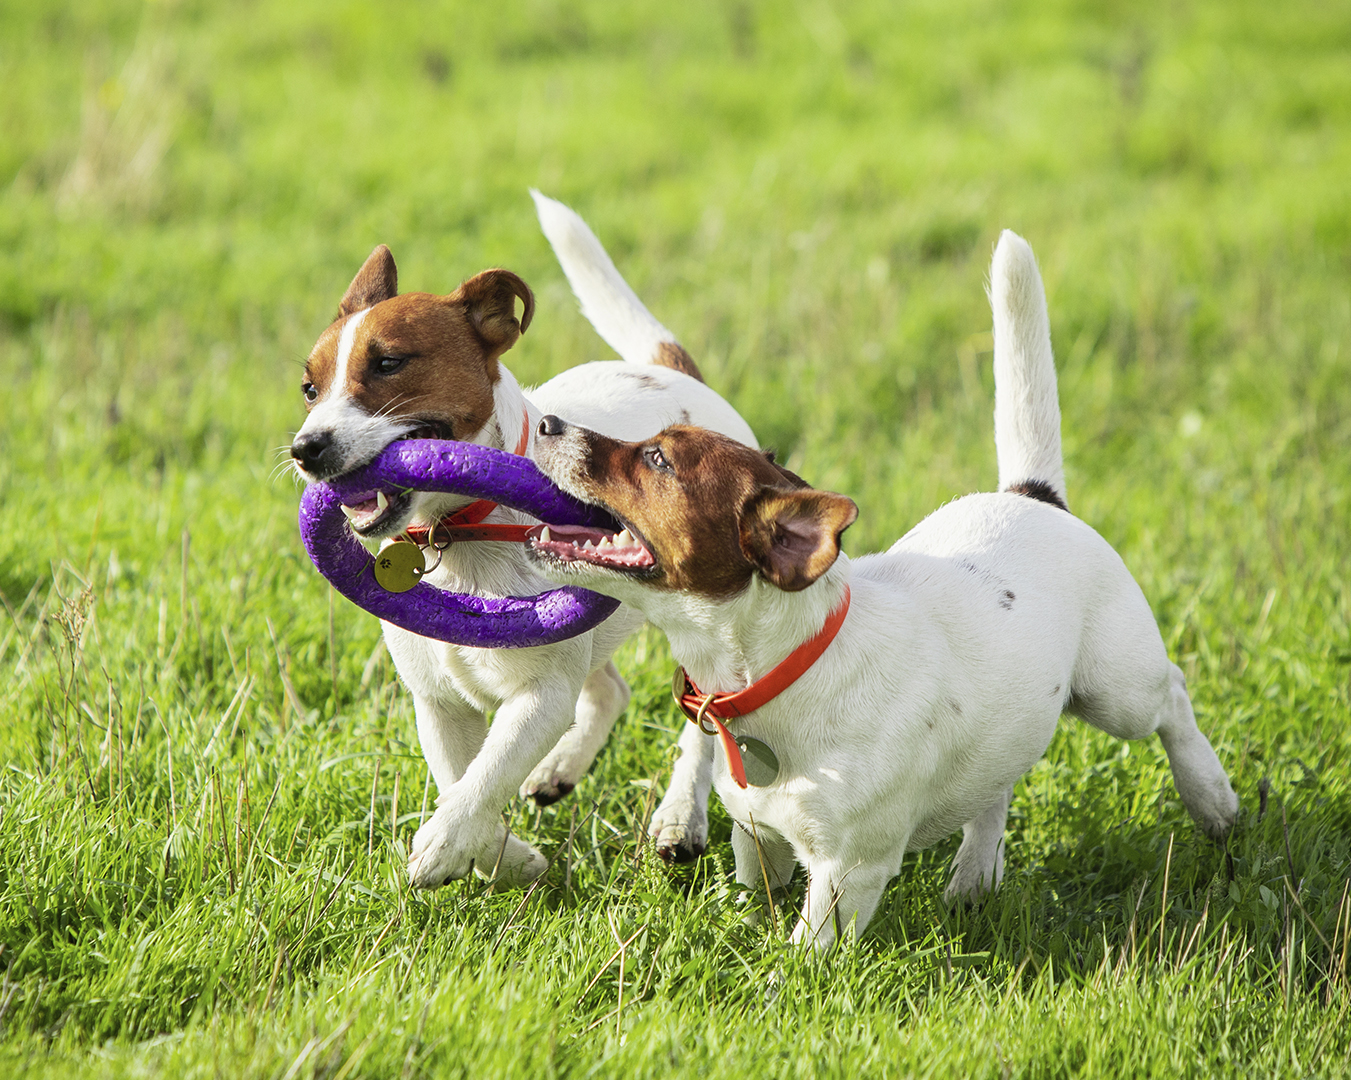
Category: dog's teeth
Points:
column 604, row 542
column 352, row 515
column 544, row 535
column 624, row 539
column 587, row 544
column 381, row 503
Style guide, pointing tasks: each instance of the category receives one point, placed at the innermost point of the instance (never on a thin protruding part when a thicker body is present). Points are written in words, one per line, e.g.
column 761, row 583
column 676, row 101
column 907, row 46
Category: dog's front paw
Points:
column 680, row 832
column 449, row 845
column 553, row 779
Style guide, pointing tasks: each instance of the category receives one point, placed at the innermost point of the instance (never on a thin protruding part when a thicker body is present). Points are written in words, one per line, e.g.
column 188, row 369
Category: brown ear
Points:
column 788, row 474
column 377, row 280
column 490, row 302
column 793, row 537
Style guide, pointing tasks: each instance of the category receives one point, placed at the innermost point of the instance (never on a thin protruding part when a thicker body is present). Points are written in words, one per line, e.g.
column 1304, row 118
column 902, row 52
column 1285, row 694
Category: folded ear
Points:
column 793, row 537
column 489, row 299
column 377, row 280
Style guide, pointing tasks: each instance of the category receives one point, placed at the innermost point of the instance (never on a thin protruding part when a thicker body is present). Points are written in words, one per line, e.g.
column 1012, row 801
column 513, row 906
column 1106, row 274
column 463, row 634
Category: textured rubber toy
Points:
column 478, row 472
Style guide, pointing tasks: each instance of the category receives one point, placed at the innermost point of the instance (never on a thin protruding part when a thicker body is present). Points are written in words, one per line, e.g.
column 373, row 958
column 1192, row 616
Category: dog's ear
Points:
column 489, row 300
column 793, row 479
column 793, row 537
column 377, row 280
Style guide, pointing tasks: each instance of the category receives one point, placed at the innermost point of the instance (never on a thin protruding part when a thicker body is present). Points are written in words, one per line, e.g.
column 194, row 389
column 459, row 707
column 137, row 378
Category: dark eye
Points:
column 311, row 394
column 387, row 365
column 655, row 459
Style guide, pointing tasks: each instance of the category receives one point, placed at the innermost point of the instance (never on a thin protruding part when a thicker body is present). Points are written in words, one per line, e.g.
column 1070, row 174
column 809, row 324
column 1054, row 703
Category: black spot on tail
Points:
column 1039, row 490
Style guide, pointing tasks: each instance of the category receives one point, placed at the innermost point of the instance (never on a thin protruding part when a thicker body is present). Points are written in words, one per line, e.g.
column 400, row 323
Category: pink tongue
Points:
column 364, row 507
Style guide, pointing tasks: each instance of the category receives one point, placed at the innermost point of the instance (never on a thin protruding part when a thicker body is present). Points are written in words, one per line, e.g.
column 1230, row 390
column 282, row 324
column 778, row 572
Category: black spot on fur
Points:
column 1006, row 599
column 1039, row 490
column 642, row 378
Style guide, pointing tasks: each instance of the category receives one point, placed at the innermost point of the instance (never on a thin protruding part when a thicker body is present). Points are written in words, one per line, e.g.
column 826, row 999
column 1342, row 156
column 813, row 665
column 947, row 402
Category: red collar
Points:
column 463, row 524
column 697, row 705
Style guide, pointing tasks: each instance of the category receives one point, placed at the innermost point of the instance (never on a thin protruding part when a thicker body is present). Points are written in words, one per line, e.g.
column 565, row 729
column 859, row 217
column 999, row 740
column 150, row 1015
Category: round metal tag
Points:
column 399, row 566
column 759, row 761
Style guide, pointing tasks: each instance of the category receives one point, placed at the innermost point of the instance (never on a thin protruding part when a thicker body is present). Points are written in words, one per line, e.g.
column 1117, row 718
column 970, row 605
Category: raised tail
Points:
column 1026, row 405
column 606, row 299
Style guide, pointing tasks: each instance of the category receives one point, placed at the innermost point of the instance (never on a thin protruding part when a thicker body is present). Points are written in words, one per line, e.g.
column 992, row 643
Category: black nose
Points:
column 552, row 425
column 314, row 451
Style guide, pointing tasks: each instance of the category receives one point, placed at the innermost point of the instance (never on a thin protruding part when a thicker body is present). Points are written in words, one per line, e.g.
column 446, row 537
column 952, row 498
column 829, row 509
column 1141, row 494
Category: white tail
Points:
column 1026, row 404
column 607, row 301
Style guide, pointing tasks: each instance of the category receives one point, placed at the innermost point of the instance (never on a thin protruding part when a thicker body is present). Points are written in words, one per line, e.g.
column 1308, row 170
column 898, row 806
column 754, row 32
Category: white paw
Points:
column 680, row 832
column 553, row 779
column 1215, row 809
column 449, row 845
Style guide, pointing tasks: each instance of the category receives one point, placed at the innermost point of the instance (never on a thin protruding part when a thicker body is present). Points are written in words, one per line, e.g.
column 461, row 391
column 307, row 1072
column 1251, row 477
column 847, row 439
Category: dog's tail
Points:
column 1027, row 407
column 607, row 301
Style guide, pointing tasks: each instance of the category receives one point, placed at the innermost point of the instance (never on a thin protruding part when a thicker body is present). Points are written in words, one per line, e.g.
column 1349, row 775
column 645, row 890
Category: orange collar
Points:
column 463, row 524
column 697, row 705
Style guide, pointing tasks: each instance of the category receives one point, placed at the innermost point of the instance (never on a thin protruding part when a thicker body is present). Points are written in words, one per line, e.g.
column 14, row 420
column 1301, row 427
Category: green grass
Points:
column 210, row 772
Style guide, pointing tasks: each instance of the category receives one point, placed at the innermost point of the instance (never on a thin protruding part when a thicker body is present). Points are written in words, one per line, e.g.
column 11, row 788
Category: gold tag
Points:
column 399, row 566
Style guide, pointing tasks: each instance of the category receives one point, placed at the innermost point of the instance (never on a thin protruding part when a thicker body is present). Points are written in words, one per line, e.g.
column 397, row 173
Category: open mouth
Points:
column 372, row 517
column 428, row 429
column 369, row 516
column 622, row 551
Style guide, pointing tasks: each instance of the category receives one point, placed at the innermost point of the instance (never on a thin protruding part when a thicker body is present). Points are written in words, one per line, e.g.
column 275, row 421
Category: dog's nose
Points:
column 314, row 451
column 552, row 425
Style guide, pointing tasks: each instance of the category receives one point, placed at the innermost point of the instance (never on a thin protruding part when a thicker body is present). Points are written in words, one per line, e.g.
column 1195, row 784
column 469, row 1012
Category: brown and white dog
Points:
column 955, row 653
column 416, row 365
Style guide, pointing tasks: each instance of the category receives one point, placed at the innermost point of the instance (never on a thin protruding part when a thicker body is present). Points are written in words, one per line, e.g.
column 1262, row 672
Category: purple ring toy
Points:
column 479, row 472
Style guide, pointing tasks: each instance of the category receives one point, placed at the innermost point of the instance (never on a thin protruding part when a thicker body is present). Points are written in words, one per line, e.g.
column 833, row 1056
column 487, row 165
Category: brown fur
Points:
column 671, row 355
column 717, row 513
column 449, row 346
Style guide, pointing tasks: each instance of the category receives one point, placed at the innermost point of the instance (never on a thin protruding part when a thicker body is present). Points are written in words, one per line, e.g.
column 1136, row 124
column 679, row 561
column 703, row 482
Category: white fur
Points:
column 1027, row 407
column 555, row 704
column 963, row 645
column 606, row 299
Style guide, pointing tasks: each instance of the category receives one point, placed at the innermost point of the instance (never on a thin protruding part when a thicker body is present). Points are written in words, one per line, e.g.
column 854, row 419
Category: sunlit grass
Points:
column 210, row 767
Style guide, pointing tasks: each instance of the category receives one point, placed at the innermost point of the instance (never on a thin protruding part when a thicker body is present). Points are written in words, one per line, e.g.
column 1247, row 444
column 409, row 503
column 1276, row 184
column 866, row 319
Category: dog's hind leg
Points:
column 1125, row 685
column 1200, row 779
column 680, row 823
column 978, row 866
column 604, row 697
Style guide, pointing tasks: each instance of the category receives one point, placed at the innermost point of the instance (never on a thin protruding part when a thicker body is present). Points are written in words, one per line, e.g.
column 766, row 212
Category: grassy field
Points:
column 210, row 769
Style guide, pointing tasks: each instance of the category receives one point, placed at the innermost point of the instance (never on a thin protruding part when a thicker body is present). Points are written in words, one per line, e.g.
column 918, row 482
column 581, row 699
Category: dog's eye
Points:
column 308, row 389
column 655, row 459
column 387, row 365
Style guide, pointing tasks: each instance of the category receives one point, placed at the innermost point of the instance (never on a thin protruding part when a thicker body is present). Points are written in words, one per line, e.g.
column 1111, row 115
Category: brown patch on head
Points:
column 714, row 512
column 671, row 355
column 431, row 360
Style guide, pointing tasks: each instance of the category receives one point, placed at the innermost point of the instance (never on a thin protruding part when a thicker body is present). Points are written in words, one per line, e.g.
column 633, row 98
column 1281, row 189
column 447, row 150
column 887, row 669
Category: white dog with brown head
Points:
column 416, row 365
column 873, row 706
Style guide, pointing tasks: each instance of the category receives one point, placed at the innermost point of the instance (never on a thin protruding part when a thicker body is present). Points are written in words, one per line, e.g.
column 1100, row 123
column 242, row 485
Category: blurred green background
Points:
column 808, row 195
